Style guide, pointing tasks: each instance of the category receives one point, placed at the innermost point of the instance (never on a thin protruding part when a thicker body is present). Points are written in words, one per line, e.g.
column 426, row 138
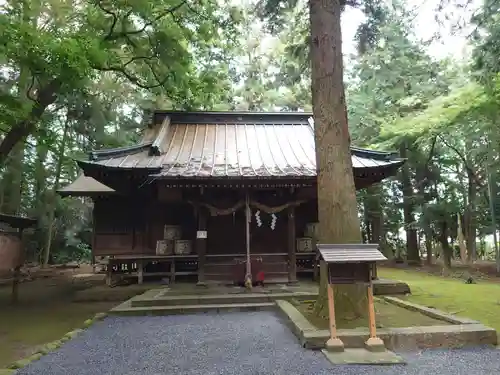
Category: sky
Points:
column 425, row 27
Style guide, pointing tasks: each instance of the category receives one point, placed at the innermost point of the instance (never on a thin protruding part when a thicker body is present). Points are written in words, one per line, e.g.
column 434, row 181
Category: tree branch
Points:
column 468, row 168
column 110, row 13
column 112, row 35
column 19, row 131
column 427, row 162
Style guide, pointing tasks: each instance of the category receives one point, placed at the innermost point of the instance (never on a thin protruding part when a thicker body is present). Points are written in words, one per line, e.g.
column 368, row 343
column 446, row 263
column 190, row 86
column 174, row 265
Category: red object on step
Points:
column 260, row 277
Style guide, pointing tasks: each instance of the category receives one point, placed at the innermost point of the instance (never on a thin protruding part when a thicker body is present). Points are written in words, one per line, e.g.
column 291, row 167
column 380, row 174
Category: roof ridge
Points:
column 95, row 155
column 373, row 154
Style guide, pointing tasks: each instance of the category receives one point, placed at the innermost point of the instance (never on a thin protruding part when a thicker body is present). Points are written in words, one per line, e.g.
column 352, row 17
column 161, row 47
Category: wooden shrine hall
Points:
column 205, row 193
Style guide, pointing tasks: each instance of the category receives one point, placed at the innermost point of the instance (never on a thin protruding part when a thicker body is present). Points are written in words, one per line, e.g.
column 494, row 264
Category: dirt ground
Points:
column 48, row 308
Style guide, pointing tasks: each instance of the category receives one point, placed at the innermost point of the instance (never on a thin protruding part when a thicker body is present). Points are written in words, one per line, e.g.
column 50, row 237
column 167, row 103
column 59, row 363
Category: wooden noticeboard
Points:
column 349, row 273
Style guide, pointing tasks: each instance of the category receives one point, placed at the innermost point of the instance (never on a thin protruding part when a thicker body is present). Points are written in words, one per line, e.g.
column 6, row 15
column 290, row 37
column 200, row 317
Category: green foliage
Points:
column 108, row 62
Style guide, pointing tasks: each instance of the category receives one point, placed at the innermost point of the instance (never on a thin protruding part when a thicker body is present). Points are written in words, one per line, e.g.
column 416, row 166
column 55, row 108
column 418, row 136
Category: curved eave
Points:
column 18, row 222
column 391, row 165
column 120, row 151
column 85, row 186
column 90, row 165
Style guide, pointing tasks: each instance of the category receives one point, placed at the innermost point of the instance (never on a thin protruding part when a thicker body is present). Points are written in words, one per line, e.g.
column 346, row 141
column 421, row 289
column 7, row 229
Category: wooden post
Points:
column 15, row 284
column 248, row 276
column 17, row 270
column 373, row 344
column 109, row 272
column 331, row 311
column 371, row 313
column 140, row 271
column 172, row 271
column 292, row 257
column 334, row 344
column 201, row 245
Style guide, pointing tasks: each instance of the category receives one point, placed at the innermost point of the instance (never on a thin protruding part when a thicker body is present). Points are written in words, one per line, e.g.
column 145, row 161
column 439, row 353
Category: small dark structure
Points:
column 204, row 192
column 11, row 246
column 351, row 264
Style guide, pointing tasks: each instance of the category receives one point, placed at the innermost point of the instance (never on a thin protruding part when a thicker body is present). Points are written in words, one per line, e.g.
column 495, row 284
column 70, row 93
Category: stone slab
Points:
column 163, row 299
column 429, row 311
column 409, row 338
column 363, row 357
column 294, row 319
column 384, row 287
column 125, row 309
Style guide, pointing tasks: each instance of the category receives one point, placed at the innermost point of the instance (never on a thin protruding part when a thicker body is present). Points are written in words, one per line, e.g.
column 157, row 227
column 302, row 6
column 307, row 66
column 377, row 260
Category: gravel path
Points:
column 225, row 344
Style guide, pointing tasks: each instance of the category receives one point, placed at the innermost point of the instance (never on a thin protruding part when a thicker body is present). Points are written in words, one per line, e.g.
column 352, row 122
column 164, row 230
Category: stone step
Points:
column 127, row 310
column 215, row 299
column 269, row 277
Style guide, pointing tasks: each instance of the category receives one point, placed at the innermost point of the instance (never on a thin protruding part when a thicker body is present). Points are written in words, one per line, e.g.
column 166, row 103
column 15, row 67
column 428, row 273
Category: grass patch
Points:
column 479, row 301
column 387, row 316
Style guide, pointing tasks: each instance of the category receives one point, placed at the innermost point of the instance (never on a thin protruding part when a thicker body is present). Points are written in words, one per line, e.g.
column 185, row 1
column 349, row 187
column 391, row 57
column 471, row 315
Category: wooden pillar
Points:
column 371, row 313
column 334, row 344
column 17, row 270
column 172, row 271
column 374, row 272
column 292, row 257
column 374, row 343
column 15, row 284
column 140, row 271
column 331, row 311
column 109, row 272
column 248, row 275
column 201, row 244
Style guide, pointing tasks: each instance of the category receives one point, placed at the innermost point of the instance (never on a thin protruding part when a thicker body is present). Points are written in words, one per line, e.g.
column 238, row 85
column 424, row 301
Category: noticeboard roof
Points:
column 350, row 253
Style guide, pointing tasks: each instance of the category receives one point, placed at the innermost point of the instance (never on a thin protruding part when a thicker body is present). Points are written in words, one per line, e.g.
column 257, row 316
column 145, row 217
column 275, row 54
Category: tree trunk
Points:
column 53, row 195
column 470, row 219
column 461, row 240
column 24, row 127
column 12, row 181
column 337, row 205
column 412, row 252
column 447, row 250
column 428, row 243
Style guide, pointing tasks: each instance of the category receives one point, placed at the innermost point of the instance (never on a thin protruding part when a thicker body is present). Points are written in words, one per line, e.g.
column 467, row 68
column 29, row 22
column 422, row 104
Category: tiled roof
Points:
column 350, row 253
column 231, row 145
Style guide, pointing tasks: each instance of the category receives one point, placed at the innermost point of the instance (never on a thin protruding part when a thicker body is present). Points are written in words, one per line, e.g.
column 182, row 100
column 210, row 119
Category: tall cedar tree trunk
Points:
column 53, row 195
column 428, row 241
column 461, row 239
column 447, row 250
column 470, row 218
column 13, row 181
column 337, row 206
column 412, row 253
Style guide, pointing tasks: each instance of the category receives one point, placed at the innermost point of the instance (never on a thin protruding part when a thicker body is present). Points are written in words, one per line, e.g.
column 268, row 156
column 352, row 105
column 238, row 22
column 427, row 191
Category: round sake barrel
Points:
column 11, row 251
column 182, row 247
column 172, row 232
column 164, row 247
column 304, row 245
column 311, row 229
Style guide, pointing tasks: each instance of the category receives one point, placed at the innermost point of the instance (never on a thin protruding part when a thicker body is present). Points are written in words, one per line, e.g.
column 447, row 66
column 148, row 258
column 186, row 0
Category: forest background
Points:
column 421, row 79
